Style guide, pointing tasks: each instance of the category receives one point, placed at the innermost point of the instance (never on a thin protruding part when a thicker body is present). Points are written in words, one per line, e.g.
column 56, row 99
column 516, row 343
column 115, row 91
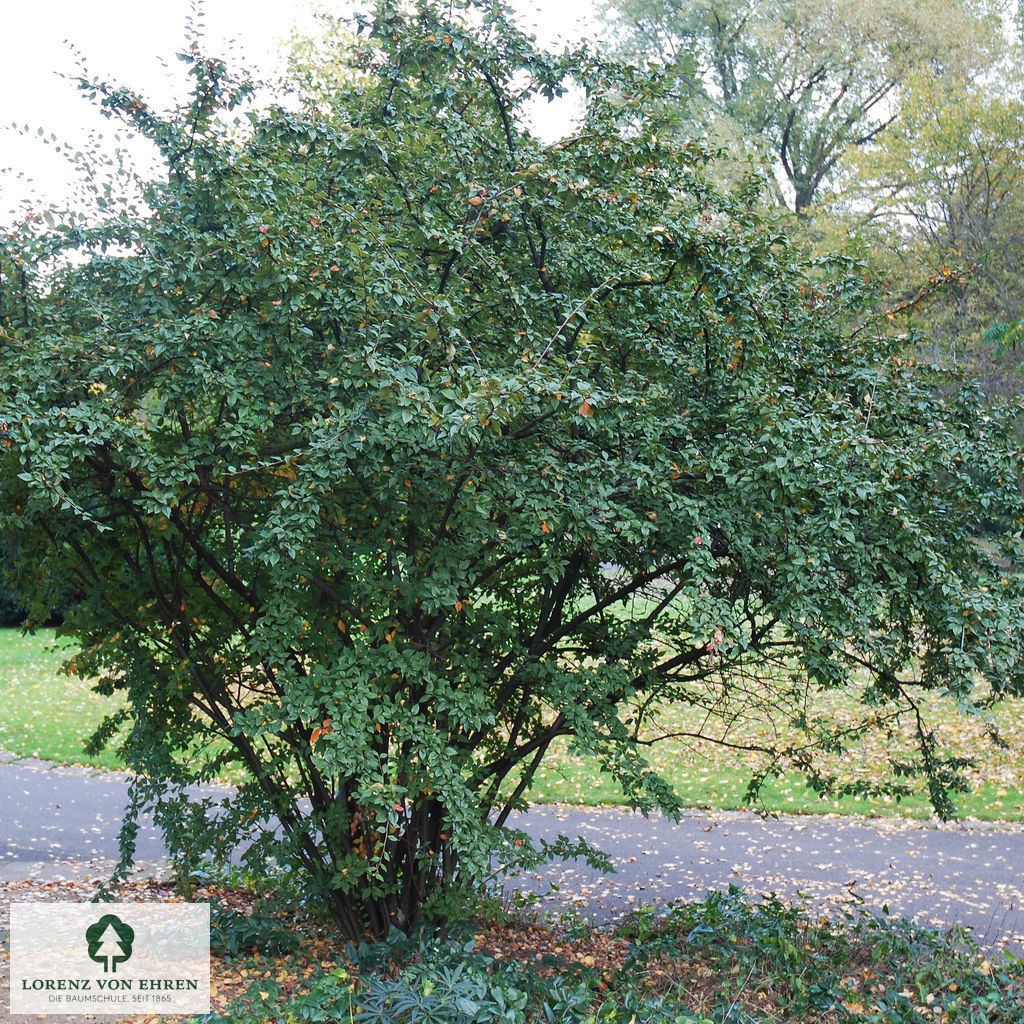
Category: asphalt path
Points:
column 61, row 823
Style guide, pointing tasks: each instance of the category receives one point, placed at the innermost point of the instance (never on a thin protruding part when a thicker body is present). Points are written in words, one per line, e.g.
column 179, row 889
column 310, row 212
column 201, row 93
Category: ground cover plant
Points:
column 384, row 444
column 727, row 958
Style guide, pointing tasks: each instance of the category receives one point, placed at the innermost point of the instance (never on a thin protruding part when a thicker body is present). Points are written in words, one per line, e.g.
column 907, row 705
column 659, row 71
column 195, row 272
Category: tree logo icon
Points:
column 110, row 942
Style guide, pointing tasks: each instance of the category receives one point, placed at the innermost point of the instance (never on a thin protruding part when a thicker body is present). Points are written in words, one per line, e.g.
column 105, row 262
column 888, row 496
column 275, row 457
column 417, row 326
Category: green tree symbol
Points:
column 110, row 942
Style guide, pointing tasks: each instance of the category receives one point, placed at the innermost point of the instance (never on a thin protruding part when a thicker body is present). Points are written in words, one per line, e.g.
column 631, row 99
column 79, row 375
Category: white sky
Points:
column 133, row 42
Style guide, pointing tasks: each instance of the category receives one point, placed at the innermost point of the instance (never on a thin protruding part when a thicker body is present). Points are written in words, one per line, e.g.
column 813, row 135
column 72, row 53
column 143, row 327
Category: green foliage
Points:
column 12, row 604
column 232, row 932
column 50, row 716
column 1005, row 336
column 429, row 980
column 445, row 980
column 11, row 611
column 1000, row 339
column 766, row 959
column 723, row 959
column 387, row 445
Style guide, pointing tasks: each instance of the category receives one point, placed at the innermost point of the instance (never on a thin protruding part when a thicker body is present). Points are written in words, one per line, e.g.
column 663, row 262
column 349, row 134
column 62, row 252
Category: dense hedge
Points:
column 12, row 612
column 12, row 606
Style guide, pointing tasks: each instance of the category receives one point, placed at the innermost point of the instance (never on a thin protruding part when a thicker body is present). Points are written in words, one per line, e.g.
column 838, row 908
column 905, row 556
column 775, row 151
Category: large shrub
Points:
column 389, row 444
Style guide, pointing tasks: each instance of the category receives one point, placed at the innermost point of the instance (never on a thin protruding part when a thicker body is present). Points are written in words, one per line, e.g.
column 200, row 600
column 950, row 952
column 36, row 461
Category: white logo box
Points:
column 112, row 958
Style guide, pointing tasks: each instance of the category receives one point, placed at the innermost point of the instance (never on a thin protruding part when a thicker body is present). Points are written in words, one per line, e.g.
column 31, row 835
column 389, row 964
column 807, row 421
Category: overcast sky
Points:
column 133, row 42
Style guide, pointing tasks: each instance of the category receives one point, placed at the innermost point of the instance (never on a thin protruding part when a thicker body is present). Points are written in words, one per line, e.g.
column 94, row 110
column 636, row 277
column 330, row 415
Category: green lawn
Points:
column 45, row 713
column 706, row 774
column 50, row 715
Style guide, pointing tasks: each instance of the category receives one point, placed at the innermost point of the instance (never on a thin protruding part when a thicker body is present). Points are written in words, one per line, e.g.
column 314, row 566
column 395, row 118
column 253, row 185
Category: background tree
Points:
column 388, row 445
column 804, row 82
column 944, row 189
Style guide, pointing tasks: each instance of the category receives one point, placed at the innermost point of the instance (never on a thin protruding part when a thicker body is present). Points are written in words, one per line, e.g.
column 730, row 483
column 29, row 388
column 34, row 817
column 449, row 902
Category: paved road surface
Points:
column 62, row 823
column 940, row 875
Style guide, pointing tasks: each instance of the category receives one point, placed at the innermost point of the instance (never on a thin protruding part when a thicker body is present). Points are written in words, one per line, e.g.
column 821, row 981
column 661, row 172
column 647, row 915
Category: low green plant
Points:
column 755, row 952
column 232, row 932
column 727, row 959
column 425, row 979
column 740, row 960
